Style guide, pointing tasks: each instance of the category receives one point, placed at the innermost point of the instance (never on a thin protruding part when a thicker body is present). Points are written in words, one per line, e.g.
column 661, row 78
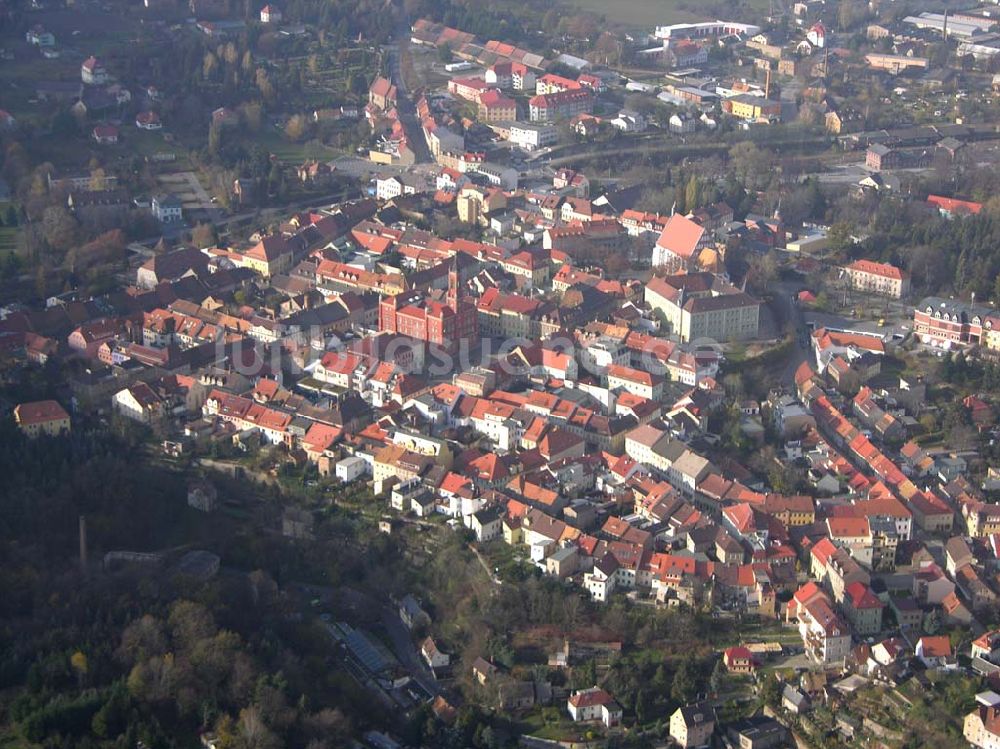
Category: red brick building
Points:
column 443, row 323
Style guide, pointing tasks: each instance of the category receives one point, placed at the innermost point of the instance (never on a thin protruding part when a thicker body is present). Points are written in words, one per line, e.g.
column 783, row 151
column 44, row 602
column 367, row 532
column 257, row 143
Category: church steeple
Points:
column 453, row 283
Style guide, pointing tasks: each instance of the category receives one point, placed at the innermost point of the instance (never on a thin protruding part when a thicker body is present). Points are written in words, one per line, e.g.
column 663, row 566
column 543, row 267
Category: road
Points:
column 366, row 607
column 486, row 568
column 404, row 102
column 787, row 308
column 145, row 246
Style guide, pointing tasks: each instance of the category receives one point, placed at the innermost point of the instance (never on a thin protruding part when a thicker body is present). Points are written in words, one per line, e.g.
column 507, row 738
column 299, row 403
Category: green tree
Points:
column 692, row 195
column 685, row 683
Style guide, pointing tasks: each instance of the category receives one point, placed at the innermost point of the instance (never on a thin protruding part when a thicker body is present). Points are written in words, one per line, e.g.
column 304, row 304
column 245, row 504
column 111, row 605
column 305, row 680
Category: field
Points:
column 648, row 13
column 8, row 240
column 644, row 13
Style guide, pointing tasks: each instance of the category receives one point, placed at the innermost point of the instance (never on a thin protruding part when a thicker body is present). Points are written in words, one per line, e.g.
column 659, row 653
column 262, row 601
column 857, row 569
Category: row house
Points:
column 824, row 634
column 863, row 609
column 244, row 413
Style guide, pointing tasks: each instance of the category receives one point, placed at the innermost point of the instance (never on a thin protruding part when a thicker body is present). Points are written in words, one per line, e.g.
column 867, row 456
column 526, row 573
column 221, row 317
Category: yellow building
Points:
column 271, row 256
column 750, row 107
column 41, row 417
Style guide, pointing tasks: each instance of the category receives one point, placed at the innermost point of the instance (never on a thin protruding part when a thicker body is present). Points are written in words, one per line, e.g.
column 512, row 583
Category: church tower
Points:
column 453, row 284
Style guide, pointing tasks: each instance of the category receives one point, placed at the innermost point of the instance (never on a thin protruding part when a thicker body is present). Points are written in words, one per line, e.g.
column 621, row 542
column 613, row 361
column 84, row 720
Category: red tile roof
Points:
column 39, row 412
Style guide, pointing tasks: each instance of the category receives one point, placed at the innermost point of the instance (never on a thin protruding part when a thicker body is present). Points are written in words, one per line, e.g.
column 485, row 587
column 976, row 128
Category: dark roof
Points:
column 698, row 714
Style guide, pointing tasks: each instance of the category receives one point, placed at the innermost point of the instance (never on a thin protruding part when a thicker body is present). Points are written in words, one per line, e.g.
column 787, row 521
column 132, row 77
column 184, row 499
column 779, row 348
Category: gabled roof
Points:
column 681, row 236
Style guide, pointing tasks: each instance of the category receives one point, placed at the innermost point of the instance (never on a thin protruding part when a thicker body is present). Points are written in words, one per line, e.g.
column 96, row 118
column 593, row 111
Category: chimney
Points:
column 767, row 84
column 83, row 544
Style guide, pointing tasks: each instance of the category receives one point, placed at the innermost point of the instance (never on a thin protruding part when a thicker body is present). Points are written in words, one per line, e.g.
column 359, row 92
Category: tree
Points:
column 846, row 15
column 264, row 85
column 204, row 235
column 685, row 683
column 762, row 271
column 253, row 116
column 214, row 139
column 751, row 164
column 770, row 691
column 209, row 66
column 296, row 127
column 444, row 53
column 692, row 195
column 715, row 680
column 253, row 733
column 59, row 228
column 78, row 661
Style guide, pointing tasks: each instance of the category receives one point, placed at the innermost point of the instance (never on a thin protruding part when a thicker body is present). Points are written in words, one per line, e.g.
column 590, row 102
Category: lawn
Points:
column 293, row 153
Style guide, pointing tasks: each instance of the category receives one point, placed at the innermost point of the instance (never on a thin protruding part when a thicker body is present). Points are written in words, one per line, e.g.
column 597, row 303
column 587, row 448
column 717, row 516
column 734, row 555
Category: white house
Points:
column 39, row 37
column 270, row 14
column 93, row 72
column 681, row 123
column 594, row 704
column 350, row 469
column 138, row 403
column 434, row 657
column 167, row 208
column 533, row 135
column 392, row 186
column 629, row 122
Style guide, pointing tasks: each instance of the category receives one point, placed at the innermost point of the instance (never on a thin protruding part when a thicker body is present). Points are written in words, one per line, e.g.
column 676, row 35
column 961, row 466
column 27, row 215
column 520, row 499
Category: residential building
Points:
column 432, row 655
column 139, row 403
column 592, row 705
column 863, row 609
column 167, row 208
column 560, row 105
column 495, row 107
column 692, row 726
column 93, row 72
column 739, row 660
column 270, row 14
column 982, row 726
column 878, row 278
column 825, row 636
column 382, row 94
column 41, row 417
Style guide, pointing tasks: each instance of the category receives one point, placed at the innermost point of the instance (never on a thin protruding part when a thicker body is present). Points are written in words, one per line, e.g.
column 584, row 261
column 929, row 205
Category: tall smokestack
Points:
column 83, row 544
column 767, row 84
column 944, row 27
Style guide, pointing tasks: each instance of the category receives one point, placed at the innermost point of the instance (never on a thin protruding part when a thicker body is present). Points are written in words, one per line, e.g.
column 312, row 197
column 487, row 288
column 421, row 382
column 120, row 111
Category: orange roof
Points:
column 953, row 205
column 321, row 436
column 681, row 236
column 884, row 270
column 935, row 647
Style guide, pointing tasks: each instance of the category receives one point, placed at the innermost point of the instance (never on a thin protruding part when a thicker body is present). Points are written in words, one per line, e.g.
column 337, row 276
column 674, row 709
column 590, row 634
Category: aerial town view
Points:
column 467, row 374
